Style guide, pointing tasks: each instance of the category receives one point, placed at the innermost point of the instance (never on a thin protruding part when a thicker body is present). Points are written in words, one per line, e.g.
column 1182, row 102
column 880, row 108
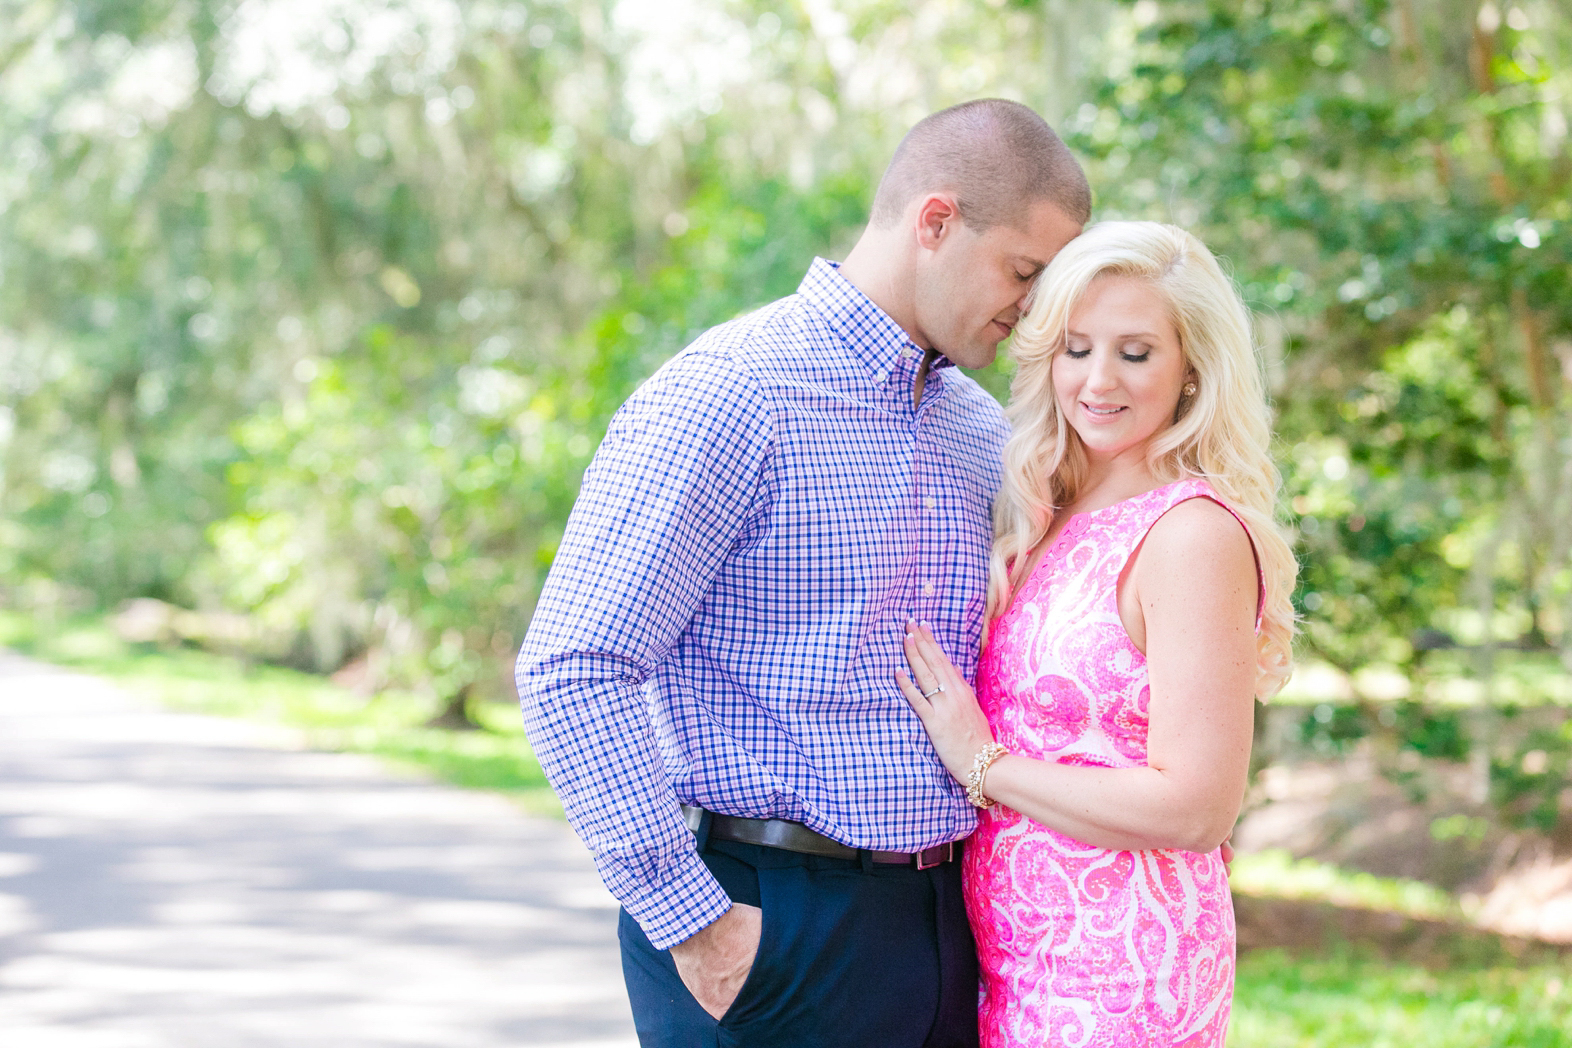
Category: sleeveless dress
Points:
column 1080, row 946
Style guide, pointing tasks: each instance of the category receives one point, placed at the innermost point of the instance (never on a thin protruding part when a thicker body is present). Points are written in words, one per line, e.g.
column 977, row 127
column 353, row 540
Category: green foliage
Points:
column 1390, row 181
column 1276, row 874
column 741, row 246
column 1435, row 733
column 322, row 321
column 1528, row 780
column 1354, row 998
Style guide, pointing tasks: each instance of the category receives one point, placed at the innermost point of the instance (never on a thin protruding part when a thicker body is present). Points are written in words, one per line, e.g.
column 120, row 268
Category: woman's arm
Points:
column 1196, row 588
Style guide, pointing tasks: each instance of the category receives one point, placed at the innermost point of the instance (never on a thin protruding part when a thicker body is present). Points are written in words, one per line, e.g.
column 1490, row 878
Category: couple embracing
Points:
column 865, row 695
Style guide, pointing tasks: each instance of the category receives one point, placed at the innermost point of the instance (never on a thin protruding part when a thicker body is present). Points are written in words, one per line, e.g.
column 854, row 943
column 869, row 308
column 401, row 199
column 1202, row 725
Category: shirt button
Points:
column 882, row 377
column 907, row 353
column 927, row 589
column 930, row 502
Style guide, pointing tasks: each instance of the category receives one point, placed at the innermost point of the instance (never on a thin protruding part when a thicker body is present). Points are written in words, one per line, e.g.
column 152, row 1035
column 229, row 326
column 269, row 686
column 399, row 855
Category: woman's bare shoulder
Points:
column 1198, row 534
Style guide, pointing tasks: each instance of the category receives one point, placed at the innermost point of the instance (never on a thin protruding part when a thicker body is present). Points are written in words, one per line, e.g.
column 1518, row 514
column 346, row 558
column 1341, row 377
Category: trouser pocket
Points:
column 846, row 959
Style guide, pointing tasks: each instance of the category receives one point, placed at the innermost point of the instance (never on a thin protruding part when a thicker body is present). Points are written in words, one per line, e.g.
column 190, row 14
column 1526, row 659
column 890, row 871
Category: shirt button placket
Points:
column 927, row 526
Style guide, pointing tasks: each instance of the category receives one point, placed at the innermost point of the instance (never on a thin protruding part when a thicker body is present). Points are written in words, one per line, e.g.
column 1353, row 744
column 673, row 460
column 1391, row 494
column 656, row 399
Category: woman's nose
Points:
column 1101, row 377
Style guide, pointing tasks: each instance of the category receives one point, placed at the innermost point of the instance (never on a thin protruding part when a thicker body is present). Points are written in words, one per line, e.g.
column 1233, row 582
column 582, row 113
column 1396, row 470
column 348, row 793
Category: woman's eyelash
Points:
column 1071, row 351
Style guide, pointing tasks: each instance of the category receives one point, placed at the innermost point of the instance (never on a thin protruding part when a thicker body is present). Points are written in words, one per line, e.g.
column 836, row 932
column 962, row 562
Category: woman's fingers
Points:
column 911, row 693
column 940, row 668
column 922, row 670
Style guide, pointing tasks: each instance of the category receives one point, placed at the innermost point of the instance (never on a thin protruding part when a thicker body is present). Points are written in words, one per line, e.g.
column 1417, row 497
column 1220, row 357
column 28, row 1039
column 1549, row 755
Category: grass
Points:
column 1276, row 874
column 1462, row 988
column 1350, row 998
column 1345, row 996
column 390, row 725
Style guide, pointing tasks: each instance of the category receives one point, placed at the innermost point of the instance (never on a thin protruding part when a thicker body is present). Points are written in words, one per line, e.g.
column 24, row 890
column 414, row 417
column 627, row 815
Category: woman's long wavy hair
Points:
column 1221, row 434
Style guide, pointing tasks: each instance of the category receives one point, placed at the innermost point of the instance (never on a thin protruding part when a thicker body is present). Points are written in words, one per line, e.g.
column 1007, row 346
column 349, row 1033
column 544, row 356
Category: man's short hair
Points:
column 997, row 157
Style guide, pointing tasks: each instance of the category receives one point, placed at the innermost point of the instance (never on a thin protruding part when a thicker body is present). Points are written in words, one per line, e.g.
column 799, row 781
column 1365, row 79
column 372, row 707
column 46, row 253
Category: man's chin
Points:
column 973, row 358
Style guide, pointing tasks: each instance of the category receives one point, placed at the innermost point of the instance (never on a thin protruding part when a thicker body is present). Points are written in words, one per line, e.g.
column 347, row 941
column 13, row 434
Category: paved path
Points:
column 172, row 881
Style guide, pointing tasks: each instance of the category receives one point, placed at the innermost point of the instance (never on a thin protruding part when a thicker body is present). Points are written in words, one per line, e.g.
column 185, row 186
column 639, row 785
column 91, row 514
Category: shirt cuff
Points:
column 687, row 902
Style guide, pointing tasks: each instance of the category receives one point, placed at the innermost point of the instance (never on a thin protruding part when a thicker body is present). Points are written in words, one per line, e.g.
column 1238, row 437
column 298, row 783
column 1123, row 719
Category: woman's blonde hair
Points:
column 1221, row 434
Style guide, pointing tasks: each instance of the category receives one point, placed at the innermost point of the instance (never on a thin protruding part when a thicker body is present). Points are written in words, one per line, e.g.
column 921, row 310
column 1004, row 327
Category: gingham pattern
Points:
column 722, row 623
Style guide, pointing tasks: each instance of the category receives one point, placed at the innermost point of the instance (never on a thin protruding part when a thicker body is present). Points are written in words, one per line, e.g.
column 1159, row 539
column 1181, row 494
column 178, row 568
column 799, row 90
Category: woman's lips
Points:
column 1102, row 412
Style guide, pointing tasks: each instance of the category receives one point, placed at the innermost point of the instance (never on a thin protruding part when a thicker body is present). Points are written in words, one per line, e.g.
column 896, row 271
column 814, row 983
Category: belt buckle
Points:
column 942, row 854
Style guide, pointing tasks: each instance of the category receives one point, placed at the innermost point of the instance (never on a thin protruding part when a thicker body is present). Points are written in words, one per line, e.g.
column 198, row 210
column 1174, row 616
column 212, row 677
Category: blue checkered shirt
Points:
column 722, row 622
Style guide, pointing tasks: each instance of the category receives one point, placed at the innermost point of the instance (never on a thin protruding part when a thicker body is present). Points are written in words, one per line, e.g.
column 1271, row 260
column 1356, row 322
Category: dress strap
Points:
column 1168, row 496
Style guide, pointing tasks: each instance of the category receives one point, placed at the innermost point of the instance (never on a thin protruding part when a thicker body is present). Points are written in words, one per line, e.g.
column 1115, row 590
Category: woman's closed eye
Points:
column 1134, row 352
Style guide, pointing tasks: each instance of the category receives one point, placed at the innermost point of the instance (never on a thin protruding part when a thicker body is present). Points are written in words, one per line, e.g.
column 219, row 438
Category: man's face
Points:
column 971, row 288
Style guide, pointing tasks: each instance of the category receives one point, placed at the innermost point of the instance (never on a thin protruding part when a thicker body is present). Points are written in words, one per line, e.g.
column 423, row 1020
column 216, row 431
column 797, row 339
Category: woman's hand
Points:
column 945, row 702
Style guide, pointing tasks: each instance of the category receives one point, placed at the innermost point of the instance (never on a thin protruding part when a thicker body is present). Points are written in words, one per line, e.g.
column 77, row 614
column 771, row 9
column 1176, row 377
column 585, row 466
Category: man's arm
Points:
column 675, row 484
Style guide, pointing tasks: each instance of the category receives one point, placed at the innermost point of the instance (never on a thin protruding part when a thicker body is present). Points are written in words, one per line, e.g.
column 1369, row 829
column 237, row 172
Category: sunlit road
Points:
column 170, row 880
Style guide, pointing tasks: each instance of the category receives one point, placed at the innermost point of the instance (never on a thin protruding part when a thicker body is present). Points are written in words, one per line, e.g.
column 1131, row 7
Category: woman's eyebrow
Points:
column 1147, row 335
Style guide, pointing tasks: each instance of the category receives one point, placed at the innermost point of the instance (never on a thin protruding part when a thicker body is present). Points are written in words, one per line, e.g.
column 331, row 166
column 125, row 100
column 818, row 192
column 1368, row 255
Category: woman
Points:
column 1139, row 602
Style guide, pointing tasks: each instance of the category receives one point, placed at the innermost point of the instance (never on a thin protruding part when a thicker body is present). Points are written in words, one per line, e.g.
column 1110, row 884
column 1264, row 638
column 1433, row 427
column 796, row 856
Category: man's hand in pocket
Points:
column 714, row 962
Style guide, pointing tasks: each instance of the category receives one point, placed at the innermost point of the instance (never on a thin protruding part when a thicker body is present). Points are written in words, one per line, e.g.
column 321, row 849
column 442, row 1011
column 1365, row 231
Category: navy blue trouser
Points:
column 852, row 954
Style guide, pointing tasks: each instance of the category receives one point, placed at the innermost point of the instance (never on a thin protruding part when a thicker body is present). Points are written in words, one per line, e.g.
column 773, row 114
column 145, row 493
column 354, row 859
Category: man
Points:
column 708, row 679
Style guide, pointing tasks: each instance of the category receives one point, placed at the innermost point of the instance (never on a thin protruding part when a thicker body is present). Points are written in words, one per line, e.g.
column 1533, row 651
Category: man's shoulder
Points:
column 752, row 347
column 976, row 405
column 760, row 339
column 731, row 367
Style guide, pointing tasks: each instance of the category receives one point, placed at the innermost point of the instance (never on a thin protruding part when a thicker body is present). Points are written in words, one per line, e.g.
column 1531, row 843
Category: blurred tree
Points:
column 1390, row 181
column 318, row 309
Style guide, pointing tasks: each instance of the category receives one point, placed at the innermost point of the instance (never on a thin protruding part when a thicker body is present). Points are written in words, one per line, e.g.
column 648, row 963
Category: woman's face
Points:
column 1118, row 378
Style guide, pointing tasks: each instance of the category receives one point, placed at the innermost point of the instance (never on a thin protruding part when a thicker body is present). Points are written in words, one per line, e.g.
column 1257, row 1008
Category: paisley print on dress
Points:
column 1085, row 947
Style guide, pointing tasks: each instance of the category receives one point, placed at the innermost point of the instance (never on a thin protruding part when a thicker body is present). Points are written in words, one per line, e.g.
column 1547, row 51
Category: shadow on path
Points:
column 175, row 881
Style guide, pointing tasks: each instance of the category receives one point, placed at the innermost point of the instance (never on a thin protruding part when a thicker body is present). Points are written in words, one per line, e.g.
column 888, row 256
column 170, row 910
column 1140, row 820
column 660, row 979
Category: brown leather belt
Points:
column 795, row 837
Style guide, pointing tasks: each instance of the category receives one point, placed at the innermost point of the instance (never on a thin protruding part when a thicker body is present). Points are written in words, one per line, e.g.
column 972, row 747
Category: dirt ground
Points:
column 1428, row 822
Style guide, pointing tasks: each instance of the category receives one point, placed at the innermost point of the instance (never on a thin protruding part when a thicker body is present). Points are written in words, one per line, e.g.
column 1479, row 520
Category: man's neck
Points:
column 877, row 268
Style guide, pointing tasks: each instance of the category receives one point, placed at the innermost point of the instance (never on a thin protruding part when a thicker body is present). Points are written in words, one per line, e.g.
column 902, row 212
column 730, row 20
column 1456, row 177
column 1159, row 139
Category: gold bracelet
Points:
column 990, row 752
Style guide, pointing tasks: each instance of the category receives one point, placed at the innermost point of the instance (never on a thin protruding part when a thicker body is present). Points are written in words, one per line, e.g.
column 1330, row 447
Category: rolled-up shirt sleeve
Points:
column 675, row 484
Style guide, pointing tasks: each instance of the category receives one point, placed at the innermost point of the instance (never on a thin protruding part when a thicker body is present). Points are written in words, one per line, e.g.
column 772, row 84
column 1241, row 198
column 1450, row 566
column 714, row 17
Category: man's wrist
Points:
column 708, row 931
column 683, row 906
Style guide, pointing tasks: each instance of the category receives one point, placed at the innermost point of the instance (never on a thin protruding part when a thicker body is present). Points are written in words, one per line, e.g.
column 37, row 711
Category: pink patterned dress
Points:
column 1080, row 946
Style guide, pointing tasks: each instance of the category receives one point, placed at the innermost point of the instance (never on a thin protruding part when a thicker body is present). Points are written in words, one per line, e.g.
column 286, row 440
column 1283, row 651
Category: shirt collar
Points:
column 873, row 337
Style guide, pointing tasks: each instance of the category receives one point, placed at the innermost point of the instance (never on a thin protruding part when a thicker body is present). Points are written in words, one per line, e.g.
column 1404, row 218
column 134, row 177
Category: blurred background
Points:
column 313, row 313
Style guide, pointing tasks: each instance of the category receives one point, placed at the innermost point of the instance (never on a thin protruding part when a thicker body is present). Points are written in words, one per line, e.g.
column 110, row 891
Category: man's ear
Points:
column 937, row 216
